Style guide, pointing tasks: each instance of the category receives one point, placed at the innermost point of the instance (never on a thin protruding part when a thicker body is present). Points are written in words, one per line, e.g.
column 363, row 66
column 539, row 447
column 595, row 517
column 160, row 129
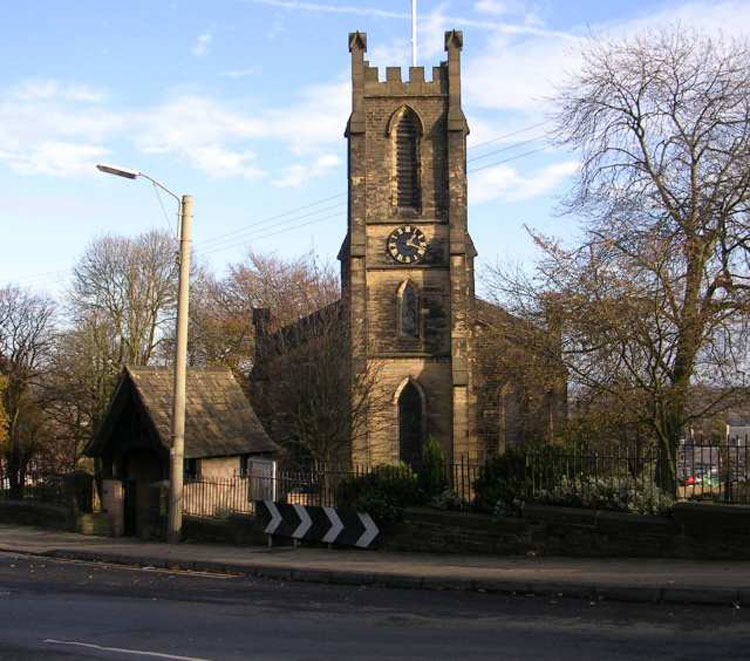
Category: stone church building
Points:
column 407, row 278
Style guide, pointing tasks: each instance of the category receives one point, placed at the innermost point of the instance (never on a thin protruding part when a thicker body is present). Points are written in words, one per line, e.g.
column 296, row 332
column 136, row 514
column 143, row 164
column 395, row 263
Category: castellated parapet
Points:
column 393, row 85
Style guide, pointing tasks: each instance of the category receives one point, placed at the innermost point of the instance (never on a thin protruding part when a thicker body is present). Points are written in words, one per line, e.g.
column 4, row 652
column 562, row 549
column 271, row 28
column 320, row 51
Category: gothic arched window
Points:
column 408, row 310
column 405, row 129
column 412, row 423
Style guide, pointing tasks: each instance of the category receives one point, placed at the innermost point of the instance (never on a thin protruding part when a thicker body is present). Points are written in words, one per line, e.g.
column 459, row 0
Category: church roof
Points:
column 491, row 314
column 219, row 420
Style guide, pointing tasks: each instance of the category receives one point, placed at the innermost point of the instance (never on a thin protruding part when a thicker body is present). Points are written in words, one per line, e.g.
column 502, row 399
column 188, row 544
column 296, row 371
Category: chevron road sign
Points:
column 318, row 524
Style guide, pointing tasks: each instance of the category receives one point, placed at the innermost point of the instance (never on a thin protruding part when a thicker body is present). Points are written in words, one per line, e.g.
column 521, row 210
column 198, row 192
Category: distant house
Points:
column 132, row 444
column 738, row 431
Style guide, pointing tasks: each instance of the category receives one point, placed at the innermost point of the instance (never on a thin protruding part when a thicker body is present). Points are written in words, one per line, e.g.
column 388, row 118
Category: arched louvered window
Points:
column 405, row 134
column 408, row 310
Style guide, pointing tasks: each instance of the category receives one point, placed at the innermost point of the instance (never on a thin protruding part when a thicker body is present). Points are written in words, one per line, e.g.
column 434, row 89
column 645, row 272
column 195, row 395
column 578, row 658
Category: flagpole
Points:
column 414, row 33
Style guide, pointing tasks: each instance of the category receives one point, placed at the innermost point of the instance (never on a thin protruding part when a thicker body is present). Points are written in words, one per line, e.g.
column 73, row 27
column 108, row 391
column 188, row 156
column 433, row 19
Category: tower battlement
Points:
column 415, row 85
column 367, row 78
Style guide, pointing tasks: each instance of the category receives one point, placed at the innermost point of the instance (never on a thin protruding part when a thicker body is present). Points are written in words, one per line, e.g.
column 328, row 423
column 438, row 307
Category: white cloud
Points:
column 61, row 159
column 54, row 128
column 45, row 89
column 498, row 7
column 51, row 127
column 219, row 162
column 519, row 71
column 277, row 28
column 316, row 119
column 202, row 44
column 506, row 183
column 731, row 17
column 202, row 132
column 325, row 8
column 490, row 7
column 298, row 175
column 517, row 74
column 240, row 73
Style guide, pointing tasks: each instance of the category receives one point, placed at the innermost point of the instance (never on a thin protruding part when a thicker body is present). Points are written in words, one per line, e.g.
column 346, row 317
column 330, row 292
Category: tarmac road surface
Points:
column 51, row 609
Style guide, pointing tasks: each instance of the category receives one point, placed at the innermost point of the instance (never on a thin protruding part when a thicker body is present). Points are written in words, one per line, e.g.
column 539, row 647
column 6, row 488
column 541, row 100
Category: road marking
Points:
column 122, row 650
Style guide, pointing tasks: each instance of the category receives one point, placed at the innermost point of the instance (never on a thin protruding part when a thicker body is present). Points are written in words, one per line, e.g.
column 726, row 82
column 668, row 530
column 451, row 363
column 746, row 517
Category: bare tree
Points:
column 129, row 284
column 655, row 299
column 303, row 389
column 121, row 309
column 77, row 388
column 3, row 415
column 221, row 312
column 26, row 336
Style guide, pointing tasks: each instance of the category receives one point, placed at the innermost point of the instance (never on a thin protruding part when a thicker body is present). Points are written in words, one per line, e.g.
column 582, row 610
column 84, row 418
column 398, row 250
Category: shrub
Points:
column 448, row 500
column 432, row 477
column 503, row 478
column 383, row 493
column 616, row 493
column 559, row 476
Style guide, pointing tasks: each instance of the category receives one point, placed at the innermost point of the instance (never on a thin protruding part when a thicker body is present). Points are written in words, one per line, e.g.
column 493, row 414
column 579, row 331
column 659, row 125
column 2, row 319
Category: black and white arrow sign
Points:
column 320, row 524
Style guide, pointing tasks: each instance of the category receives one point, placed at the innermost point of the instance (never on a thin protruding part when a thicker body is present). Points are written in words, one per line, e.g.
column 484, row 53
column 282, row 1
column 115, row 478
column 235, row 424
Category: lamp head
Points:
column 120, row 172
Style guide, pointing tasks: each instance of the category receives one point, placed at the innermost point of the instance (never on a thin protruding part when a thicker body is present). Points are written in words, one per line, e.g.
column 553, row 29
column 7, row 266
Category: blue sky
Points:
column 243, row 104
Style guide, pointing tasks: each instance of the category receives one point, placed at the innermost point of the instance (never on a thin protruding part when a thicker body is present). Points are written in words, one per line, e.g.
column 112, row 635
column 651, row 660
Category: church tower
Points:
column 407, row 261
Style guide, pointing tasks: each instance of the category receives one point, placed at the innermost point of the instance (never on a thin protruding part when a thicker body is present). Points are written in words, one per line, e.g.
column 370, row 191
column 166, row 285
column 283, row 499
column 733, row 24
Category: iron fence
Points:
column 708, row 472
column 218, row 497
column 322, row 486
column 715, row 472
column 702, row 472
column 37, row 486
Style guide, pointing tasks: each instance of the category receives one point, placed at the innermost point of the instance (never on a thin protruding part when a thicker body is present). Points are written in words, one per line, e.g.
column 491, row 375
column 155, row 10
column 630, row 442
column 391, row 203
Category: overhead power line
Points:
column 497, row 138
column 267, row 235
column 283, row 214
column 227, row 239
column 262, row 226
column 507, row 160
column 502, row 149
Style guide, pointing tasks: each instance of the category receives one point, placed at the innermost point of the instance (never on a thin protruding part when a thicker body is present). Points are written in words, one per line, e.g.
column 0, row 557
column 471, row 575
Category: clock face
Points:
column 407, row 244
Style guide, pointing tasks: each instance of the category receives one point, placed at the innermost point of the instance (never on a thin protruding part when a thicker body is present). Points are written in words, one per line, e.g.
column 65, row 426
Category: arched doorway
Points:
column 411, row 424
column 141, row 468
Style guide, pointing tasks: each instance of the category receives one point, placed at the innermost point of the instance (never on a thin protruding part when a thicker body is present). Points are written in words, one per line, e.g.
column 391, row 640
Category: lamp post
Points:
column 177, row 451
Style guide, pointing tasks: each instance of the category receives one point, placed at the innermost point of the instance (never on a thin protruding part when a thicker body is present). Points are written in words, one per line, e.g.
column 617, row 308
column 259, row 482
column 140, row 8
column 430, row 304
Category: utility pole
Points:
column 177, row 453
column 414, row 33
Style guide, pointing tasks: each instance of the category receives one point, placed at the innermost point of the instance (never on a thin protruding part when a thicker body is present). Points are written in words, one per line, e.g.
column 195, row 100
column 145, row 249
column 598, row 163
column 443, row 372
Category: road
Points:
column 70, row 610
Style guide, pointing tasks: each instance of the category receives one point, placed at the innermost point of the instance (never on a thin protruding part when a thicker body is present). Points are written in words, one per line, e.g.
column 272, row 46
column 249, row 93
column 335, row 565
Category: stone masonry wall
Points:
column 694, row 530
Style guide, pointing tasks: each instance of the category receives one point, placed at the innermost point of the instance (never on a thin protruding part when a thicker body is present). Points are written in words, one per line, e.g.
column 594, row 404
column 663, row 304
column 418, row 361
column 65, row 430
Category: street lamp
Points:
column 177, row 451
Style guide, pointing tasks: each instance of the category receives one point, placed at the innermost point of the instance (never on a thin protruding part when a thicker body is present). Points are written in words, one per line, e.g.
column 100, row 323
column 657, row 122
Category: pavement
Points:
column 644, row 580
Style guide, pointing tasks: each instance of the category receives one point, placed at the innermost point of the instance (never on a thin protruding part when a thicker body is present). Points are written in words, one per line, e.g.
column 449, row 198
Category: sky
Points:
column 243, row 104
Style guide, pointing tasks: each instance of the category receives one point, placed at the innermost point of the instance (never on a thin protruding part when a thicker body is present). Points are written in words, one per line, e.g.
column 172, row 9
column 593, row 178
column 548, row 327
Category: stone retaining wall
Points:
column 53, row 515
column 235, row 529
column 708, row 531
column 693, row 531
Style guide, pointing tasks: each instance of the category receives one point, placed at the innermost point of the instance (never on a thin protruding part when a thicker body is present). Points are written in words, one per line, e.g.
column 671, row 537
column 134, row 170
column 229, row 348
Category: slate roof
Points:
column 492, row 314
column 219, row 420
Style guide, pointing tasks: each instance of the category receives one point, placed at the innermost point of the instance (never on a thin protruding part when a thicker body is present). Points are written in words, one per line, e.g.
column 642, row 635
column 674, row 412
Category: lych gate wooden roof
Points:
column 219, row 420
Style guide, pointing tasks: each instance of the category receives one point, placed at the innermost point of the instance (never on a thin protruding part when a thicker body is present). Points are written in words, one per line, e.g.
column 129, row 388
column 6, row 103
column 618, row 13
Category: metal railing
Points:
column 36, row 486
column 321, row 486
column 702, row 472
